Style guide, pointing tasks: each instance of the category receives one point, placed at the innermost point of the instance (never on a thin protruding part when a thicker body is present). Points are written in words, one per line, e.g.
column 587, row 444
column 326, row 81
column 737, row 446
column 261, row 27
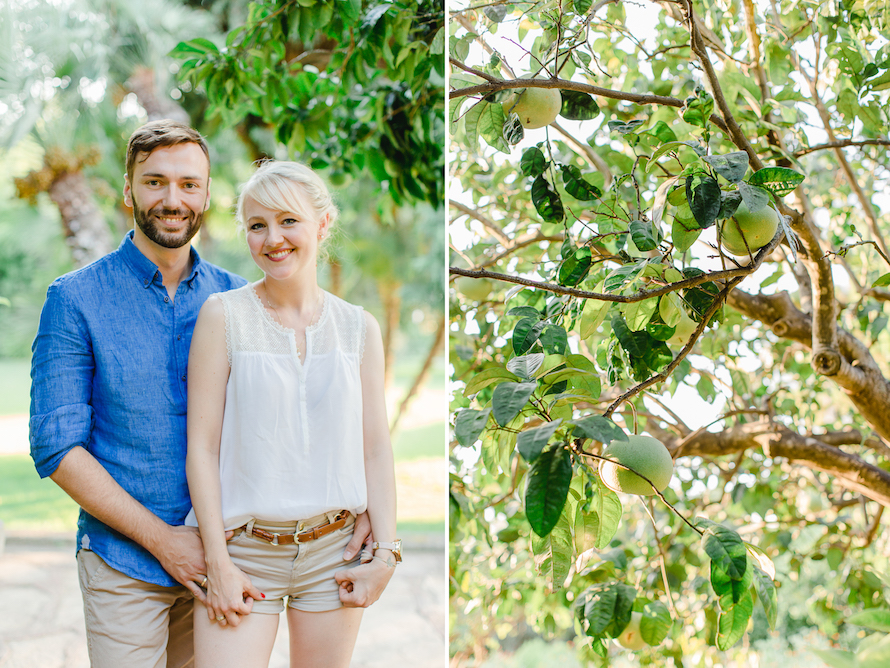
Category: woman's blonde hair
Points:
column 289, row 186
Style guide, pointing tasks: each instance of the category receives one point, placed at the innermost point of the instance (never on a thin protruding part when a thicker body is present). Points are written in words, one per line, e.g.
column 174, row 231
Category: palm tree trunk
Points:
column 84, row 226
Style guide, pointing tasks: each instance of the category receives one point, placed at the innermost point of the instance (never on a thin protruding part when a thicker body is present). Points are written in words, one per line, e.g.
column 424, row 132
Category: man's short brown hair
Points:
column 158, row 134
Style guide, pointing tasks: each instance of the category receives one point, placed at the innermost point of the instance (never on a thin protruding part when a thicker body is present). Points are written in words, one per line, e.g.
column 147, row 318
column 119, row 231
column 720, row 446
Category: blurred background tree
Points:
column 354, row 88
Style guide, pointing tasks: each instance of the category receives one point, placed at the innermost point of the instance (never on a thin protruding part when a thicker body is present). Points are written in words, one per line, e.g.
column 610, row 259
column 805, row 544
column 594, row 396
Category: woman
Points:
column 288, row 441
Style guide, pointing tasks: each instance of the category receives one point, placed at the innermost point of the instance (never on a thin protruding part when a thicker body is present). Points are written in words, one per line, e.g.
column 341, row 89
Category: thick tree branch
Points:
column 776, row 440
column 858, row 375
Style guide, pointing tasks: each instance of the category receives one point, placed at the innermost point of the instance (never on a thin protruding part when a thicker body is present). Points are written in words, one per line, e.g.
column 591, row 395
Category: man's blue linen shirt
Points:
column 108, row 373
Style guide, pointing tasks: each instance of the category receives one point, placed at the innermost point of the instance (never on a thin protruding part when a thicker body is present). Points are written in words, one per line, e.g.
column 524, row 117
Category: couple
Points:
column 283, row 458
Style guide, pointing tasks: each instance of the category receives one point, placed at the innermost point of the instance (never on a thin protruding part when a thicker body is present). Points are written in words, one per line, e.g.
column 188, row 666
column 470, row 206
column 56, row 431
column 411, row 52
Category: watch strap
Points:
column 395, row 547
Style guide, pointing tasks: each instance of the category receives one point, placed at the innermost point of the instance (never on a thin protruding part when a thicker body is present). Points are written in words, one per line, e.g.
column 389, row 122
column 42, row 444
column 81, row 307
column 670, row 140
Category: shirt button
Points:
column 179, row 337
column 166, row 299
column 183, row 377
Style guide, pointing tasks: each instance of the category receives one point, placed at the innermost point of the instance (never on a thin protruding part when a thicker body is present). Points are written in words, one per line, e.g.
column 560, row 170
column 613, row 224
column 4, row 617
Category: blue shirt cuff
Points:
column 54, row 434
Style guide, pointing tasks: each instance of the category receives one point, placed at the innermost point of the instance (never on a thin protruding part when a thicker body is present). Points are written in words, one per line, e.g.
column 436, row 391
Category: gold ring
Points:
column 203, row 582
column 220, row 619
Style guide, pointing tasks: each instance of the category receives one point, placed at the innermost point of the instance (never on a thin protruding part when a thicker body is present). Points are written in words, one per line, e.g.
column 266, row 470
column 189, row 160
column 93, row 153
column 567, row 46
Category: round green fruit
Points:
column 643, row 454
column 683, row 331
column 536, row 107
column 758, row 229
column 475, row 289
column 630, row 637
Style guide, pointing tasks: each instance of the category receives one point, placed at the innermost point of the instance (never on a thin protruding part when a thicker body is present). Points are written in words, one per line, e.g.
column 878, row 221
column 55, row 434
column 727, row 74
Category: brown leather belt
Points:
column 302, row 537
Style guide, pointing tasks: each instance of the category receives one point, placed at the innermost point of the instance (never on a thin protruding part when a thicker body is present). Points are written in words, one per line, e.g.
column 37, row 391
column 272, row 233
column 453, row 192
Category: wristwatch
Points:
column 395, row 547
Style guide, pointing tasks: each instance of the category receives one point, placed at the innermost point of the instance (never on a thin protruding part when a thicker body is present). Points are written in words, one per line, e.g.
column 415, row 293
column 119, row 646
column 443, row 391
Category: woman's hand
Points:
column 361, row 536
column 230, row 594
column 361, row 586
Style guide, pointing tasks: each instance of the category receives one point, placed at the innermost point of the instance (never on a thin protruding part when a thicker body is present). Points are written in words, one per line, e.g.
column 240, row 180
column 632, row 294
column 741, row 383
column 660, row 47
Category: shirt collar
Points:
column 145, row 269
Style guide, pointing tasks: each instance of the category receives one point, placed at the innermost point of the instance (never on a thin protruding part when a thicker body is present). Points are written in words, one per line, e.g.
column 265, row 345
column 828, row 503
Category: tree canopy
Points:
column 595, row 296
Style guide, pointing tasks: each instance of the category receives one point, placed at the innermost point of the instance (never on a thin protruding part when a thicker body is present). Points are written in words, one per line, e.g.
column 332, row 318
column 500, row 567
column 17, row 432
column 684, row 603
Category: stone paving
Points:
column 41, row 613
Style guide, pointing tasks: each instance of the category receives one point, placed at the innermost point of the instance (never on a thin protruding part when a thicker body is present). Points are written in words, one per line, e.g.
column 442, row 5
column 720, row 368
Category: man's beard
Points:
column 161, row 237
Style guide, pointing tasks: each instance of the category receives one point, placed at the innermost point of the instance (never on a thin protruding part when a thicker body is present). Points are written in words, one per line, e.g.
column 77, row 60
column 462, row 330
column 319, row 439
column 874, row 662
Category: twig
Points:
column 663, row 558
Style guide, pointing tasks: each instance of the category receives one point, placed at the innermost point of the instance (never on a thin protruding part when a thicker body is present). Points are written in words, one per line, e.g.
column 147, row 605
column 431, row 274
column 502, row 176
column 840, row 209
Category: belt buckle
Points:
column 274, row 540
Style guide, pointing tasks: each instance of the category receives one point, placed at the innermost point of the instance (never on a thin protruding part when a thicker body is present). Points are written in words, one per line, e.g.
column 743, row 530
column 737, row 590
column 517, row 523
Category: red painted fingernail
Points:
column 263, row 595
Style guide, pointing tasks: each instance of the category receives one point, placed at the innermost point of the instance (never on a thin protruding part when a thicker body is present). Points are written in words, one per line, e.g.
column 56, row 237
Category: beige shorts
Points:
column 302, row 574
column 134, row 623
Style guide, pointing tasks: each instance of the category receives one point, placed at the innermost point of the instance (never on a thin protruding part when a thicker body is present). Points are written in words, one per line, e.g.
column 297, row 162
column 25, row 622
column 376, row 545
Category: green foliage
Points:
column 605, row 232
column 347, row 85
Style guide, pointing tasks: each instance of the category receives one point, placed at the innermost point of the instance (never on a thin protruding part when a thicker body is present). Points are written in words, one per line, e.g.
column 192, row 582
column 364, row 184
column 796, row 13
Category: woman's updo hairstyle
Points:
column 289, row 186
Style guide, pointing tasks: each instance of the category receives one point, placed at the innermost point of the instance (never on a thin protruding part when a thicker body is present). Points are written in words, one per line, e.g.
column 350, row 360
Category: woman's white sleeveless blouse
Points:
column 291, row 444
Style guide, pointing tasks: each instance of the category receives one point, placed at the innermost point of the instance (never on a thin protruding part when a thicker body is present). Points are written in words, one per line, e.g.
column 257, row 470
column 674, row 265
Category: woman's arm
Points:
column 208, row 373
column 361, row 586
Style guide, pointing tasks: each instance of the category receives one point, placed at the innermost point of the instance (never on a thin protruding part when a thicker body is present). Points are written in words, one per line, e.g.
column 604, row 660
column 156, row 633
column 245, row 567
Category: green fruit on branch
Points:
column 536, row 107
column 643, row 454
column 475, row 289
column 683, row 330
column 630, row 637
column 758, row 229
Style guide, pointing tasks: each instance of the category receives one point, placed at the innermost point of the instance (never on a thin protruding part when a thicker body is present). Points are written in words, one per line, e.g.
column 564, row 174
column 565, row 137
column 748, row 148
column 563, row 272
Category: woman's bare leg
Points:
column 323, row 639
column 248, row 645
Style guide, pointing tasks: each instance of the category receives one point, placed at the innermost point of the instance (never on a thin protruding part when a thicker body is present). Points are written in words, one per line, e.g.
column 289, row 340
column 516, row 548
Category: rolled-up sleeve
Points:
column 61, row 380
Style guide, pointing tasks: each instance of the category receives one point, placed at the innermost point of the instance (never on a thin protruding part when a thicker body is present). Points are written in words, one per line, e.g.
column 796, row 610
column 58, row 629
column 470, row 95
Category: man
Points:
column 108, row 406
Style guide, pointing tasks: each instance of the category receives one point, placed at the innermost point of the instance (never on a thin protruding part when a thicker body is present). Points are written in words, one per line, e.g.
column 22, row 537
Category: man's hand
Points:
column 181, row 553
column 361, row 536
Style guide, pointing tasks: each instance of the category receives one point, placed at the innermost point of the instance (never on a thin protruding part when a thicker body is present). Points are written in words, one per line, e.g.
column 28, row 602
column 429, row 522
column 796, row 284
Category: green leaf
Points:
column 778, row 180
column 594, row 313
column 638, row 314
column 733, row 622
column 755, row 197
column 609, row 510
column 605, row 608
column 726, row 549
column 667, row 147
column 531, row 442
column 876, row 655
column 882, row 282
column 703, row 194
column 731, row 166
column 876, row 619
column 512, row 130
column 490, row 126
column 546, row 201
column 633, row 342
column 575, row 267
column 525, row 366
column 655, row 623
column 598, row 428
column 729, row 591
column 553, row 552
column 533, row 163
column 526, row 333
column 644, row 235
column 623, row 127
column 684, row 233
column 577, row 186
column 837, row 658
column 766, row 593
column 508, row 399
column 525, row 312
column 548, row 487
column 578, row 106
column 469, row 424
column 487, row 377
column 554, row 340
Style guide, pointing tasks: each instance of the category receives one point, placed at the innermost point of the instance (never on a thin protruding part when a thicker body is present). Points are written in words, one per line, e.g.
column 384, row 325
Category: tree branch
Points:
column 563, row 84
column 840, row 143
column 776, row 440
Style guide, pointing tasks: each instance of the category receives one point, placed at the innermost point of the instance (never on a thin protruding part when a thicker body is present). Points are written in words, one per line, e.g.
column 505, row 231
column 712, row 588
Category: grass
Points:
column 16, row 386
column 29, row 503
column 420, row 443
